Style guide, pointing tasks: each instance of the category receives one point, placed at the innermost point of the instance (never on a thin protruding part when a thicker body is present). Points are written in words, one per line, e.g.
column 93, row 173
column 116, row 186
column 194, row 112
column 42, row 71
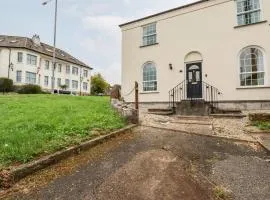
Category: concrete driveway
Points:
column 154, row 164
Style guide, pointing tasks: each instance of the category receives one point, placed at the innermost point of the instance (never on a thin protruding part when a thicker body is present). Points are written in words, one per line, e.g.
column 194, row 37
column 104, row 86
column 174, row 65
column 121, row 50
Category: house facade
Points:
column 187, row 51
column 28, row 61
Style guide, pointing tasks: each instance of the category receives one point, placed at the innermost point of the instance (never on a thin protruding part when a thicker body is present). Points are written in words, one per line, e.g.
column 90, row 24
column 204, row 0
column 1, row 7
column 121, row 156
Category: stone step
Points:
column 162, row 113
column 193, row 117
column 226, row 111
column 160, row 110
column 228, row 115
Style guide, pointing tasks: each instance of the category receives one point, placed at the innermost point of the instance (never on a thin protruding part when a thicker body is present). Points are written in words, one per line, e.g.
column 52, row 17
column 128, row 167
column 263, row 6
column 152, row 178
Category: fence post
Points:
column 137, row 101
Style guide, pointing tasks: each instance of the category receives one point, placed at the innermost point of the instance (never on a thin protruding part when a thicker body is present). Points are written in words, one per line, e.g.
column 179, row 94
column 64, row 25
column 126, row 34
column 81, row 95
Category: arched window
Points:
column 149, row 77
column 252, row 67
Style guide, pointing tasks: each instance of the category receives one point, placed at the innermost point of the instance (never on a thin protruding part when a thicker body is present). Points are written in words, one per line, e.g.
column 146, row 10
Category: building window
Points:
column 252, row 67
column 85, row 73
column 149, row 77
column 47, row 64
column 59, row 68
column 31, row 59
column 20, row 57
column 74, row 84
column 68, row 69
column 85, row 86
column 46, row 80
column 30, row 78
column 75, row 71
column 59, row 82
column 248, row 11
column 149, row 34
column 67, row 83
column 19, row 76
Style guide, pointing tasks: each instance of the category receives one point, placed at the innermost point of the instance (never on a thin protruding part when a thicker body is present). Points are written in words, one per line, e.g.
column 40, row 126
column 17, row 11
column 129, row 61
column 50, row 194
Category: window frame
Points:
column 253, row 72
column 68, row 69
column 85, row 73
column 30, row 60
column 30, row 78
column 238, row 14
column 47, row 64
column 77, row 84
column 75, row 72
column 59, row 68
column 20, row 56
column 149, row 81
column 46, row 80
column 145, row 35
column 85, row 84
column 19, row 78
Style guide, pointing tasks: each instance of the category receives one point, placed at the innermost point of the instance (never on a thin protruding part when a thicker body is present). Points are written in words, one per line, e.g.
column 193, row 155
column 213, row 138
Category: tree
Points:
column 98, row 84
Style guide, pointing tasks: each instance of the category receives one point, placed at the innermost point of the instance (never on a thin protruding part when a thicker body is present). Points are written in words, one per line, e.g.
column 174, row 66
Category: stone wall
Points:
column 126, row 110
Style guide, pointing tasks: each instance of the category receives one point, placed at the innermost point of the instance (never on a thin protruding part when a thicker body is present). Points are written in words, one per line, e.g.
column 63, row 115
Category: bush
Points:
column 29, row 89
column 6, row 85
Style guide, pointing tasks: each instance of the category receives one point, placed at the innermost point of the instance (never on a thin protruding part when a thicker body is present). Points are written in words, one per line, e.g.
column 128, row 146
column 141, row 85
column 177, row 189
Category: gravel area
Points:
column 223, row 127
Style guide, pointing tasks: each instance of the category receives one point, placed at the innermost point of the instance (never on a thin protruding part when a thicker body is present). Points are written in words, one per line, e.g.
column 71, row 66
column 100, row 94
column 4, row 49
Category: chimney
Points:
column 36, row 40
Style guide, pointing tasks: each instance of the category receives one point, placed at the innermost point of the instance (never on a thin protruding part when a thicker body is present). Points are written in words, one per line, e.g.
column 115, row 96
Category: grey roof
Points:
column 45, row 49
column 164, row 12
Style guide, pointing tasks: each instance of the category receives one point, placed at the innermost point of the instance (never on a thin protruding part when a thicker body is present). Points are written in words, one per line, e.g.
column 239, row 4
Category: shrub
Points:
column 29, row 89
column 6, row 85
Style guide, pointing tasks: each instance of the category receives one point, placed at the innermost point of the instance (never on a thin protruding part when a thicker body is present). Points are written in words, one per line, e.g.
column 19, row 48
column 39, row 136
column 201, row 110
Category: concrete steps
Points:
column 228, row 115
column 160, row 111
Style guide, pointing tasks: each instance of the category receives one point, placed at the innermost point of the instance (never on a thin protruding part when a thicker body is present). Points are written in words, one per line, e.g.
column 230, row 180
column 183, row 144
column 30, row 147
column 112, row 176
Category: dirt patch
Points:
column 152, row 175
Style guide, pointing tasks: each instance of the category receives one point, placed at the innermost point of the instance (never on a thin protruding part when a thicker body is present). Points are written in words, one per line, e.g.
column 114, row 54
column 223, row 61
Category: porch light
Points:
column 170, row 66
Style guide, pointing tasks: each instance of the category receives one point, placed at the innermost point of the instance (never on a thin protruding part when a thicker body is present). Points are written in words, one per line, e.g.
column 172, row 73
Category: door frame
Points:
column 186, row 75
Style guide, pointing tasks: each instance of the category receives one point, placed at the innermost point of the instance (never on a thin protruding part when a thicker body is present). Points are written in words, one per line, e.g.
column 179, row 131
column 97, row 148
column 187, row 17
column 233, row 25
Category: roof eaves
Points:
column 164, row 12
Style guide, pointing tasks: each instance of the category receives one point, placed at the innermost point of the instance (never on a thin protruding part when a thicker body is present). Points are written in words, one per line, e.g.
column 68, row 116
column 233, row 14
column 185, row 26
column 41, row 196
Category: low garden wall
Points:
column 126, row 110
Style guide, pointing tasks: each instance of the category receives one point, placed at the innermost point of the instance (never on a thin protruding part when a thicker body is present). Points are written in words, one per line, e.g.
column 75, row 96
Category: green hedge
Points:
column 29, row 89
column 6, row 85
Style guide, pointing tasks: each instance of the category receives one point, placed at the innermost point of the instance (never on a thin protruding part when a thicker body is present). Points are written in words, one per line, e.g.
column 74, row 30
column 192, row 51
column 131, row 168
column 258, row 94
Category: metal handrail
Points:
column 179, row 93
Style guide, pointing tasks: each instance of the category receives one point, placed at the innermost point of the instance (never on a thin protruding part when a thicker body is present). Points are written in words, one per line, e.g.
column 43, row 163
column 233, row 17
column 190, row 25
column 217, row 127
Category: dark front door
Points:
column 194, row 80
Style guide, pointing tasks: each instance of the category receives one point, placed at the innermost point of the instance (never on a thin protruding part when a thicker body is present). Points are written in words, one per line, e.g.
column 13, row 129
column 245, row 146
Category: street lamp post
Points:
column 54, row 41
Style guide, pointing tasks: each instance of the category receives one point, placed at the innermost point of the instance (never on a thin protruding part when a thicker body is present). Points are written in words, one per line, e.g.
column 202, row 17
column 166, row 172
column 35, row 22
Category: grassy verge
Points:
column 31, row 125
column 262, row 125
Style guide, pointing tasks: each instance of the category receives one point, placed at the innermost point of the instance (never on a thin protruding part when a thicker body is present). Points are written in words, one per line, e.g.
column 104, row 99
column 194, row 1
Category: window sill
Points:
column 252, row 87
column 260, row 22
column 149, row 45
column 150, row 92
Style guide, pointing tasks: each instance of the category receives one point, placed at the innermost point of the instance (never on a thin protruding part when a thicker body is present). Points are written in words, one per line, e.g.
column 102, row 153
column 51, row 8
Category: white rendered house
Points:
column 210, row 47
column 28, row 61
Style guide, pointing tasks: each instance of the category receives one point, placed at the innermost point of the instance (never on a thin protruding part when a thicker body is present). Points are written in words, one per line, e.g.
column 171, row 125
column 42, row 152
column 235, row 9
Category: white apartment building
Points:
column 28, row 61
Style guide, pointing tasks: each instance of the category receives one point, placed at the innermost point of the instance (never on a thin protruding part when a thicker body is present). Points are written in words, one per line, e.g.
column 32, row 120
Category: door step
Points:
column 226, row 111
column 160, row 111
column 228, row 115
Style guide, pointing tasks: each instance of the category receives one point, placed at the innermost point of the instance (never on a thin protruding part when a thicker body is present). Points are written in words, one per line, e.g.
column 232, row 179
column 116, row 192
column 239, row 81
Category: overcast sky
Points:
column 88, row 29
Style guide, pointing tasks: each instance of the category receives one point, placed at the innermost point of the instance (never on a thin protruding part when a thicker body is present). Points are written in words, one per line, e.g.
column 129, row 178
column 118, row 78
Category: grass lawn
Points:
column 31, row 125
